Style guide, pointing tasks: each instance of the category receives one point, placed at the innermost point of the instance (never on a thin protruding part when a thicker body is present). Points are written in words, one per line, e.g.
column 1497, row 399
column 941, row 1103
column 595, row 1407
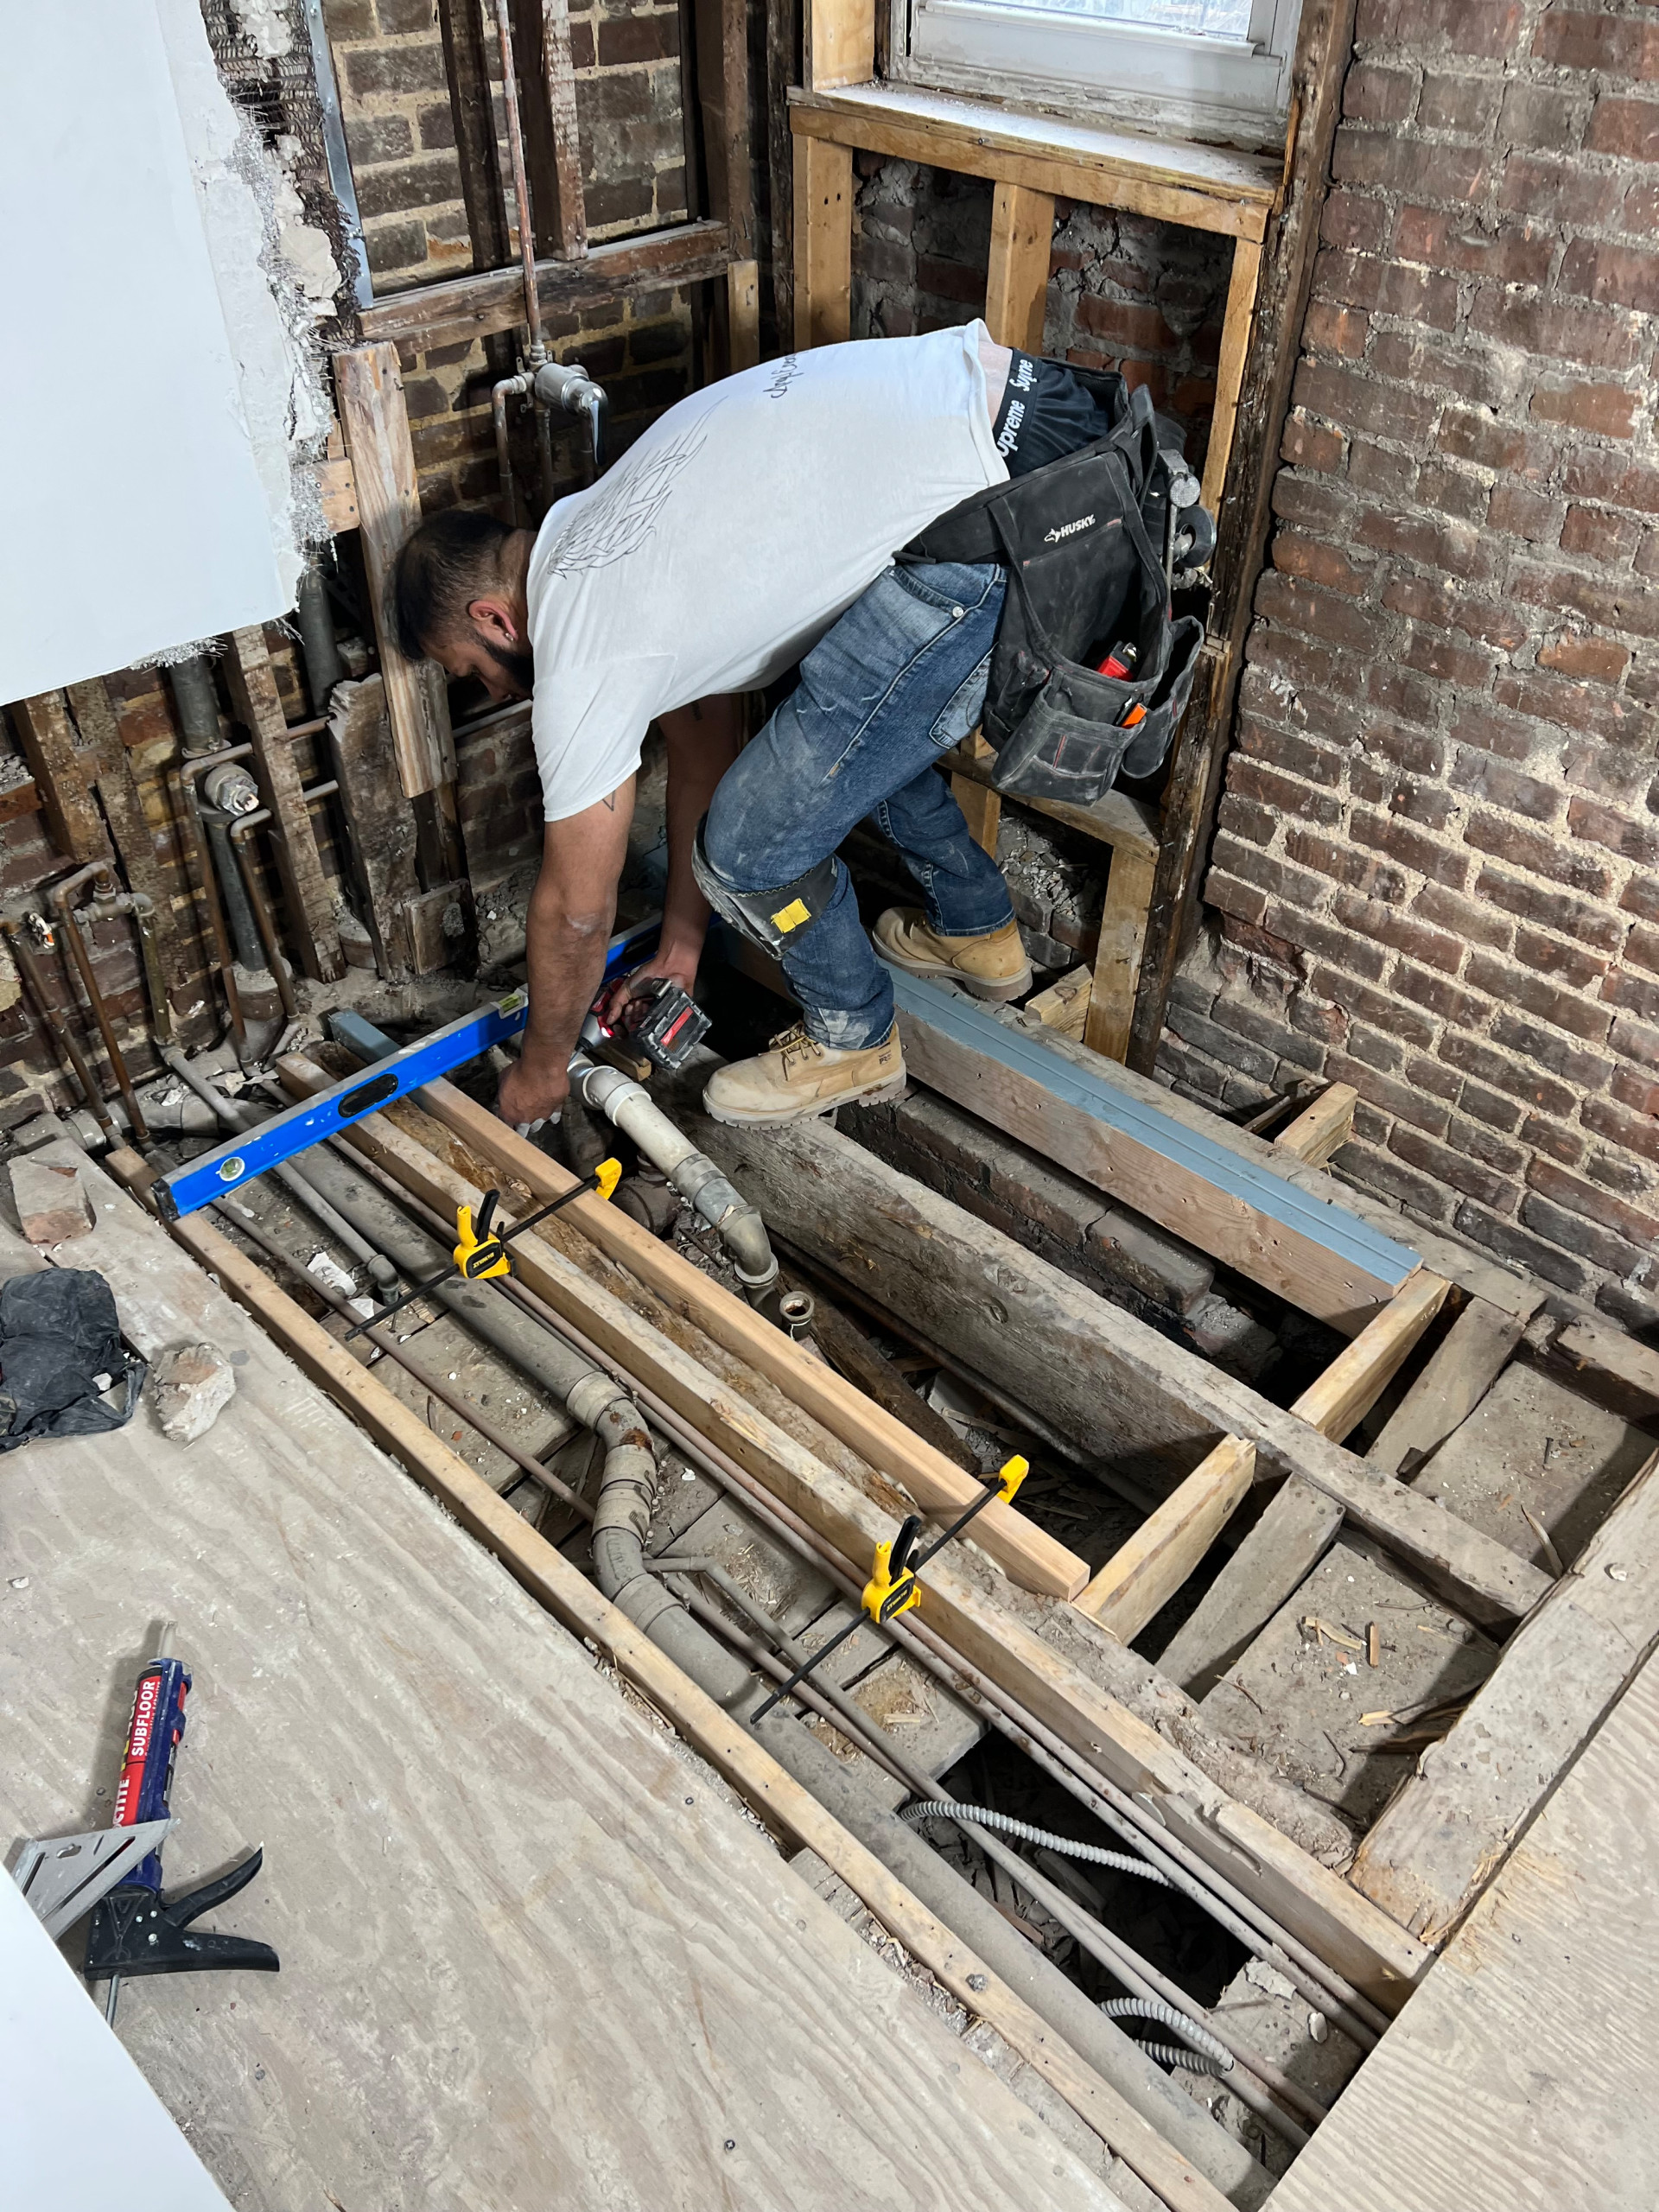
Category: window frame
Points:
column 1139, row 77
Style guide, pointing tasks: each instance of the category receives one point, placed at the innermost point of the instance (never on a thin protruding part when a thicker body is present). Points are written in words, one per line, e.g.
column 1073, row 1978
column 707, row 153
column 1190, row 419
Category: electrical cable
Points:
column 1207, row 2055
column 1068, row 1847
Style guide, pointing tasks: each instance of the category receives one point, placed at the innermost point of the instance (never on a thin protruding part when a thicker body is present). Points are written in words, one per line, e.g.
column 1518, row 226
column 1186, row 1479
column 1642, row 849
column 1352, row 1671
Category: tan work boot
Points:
column 994, row 967
column 799, row 1076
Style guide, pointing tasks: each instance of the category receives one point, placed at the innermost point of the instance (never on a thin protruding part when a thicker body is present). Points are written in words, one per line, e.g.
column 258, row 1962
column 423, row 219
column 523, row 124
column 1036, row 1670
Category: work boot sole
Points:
column 761, row 1118
column 979, row 987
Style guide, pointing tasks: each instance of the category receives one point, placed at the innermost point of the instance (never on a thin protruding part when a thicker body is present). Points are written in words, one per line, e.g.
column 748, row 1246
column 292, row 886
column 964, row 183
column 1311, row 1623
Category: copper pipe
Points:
column 59, row 896
column 200, row 867
column 262, row 915
column 55, row 1025
column 520, row 184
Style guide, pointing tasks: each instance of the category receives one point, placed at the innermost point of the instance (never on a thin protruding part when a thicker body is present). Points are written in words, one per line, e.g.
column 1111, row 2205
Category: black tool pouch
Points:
column 1079, row 541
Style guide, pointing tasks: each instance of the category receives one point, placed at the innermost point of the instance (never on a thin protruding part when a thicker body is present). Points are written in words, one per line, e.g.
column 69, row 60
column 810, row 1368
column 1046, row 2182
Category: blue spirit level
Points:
column 239, row 1159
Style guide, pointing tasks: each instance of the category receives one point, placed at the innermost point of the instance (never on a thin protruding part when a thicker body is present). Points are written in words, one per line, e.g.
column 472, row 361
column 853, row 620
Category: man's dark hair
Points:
column 443, row 564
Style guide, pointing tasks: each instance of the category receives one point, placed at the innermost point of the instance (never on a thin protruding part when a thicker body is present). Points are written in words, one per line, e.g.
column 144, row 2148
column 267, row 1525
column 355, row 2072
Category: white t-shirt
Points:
column 725, row 542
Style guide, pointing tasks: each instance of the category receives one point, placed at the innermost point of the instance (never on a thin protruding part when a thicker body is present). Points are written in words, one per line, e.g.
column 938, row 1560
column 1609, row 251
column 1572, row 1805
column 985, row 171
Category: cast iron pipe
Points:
column 59, row 896
column 318, row 645
column 55, row 1025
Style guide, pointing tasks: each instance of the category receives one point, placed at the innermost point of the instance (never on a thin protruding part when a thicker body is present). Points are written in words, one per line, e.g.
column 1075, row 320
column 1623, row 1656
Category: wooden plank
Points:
column 1117, row 820
column 1525, row 2075
column 378, row 824
column 546, row 1833
column 1060, row 1099
column 1236, row 321
column 1204, row 187
column 376, row 424
column 1462, row 1369
column 784, row 30
column 1016, row 284
column 1473, row 1793
column 467, row 66
column 1117, row 960
column 851, row 1353
column 1063, row 1007
column 1026, row 1553
column 1322, row 1128
column 1033, row 1332
column 1296, row 1887
column 838, row 44
column 337, row 490
column 1143, row 1575
column 306, row 892
column 1297, row 1528
column 468, row 307
column 823, row 243
column 1324, row 40
column 541, row 34
column 62, row 777
column 981, row 807
column 1612, row 1368
column 743, row 314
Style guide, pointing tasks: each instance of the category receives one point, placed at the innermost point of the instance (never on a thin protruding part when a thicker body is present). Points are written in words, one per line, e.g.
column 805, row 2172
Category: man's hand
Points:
column 678, row 963
column 532, row 1090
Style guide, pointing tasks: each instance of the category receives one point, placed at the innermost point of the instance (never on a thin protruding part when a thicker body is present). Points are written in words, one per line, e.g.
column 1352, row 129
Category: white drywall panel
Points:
column 146, row 379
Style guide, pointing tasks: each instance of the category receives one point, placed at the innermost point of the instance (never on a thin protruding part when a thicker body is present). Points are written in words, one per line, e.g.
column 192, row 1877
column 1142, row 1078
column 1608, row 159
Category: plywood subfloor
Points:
column 1523, row 2075
column 531, row 1956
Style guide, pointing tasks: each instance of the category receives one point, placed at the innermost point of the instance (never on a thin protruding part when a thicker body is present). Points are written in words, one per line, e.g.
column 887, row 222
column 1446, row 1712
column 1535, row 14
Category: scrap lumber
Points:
column 1296, row 1529
column 960, row 1599
column 1321, row 1129
column 1233, row 1195
column 788, row 1810
column 1063, row 1007
column 305, row 893
column 1030, row 1558
column 378, row 820
column 1435, row 1848
column 1136, row 1581
column 1612, row 1368
column 1462, row 1370
column 1058, row 1097
column 1032, row 1329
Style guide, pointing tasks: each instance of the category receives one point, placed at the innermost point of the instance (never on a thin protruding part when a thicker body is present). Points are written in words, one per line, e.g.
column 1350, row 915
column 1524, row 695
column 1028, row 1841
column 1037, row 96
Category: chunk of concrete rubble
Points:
column 189, row 1388
column 52, row 1207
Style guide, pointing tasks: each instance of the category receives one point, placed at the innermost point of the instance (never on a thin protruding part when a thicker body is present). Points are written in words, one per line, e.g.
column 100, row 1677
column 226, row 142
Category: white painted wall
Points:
column 150, row 387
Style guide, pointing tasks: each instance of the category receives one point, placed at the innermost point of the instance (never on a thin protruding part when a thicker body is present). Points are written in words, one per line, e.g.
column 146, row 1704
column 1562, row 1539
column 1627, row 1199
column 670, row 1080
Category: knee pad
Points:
column 773, row 919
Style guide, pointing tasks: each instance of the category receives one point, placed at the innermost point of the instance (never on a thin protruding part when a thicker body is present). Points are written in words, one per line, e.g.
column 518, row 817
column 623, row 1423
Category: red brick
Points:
column 1400, row 1100
column 1385, row 924
column 1586, row 1071
column 1601, row 536
column 1470, row 921
column 1476, row 437
column 1614, row 480
column 1116, row 321
column 1606, row 771
column 1490, row 730
column 1435, row 600
column 1634, row 1040
column 1583, row 1197
column 1429, row 540
column 1514, row 987
column 1314, row 561
column 1520, row 513
column 1392, row 1178
column 1376, row 469
column 1567, row 964
column 1524, row 1080
column 1599, row 660
column 1474, row 1099
column 638, row 38
column 1462, row 106
column 1513, row 1243
column 1260, row 868
column 1618, row 603
column 1461, row 1008
column 1242, row 817
column 1627, row 127
column 1559, row 192
column 1439, row 656
column 1556, row 329
column 1398, row 161
column 1413, row 750
column 1615, row 275
column 1399, row 690
column 1358, row 1002
column 1506, row 839
column 1591, row 39
column 1546, row 117
column 1552, row 910
column 1345, row 396
column 1510, row 253
column 1319, row 614
column 1455, row 491
column 1297, row 756
column 1636, row 1132
column 1326, row 941
column 1647, row 554
column 1604, row 409
column 1353, row 223
column 1299, row 661
column 1589, row 709
column 1484, row 777
column 1388, row 287
column 1634, row 993
column 1490, row 30
column 1642, row 897
column 1374, row 94
column 1455, row 1170
column 1234, row 896
column 1411, row 847
column 1328, row 329
column 1631, row 841
column 1344, row 864
column 1325, row 509
column 952, row 280
column 1310, row 445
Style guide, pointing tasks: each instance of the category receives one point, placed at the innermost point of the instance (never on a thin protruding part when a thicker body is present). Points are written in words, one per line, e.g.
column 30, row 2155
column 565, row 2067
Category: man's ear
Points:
column 494, row 617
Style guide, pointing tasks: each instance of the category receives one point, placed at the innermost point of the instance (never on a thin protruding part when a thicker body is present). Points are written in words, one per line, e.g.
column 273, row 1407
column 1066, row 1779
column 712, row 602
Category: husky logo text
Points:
column 1066, row 530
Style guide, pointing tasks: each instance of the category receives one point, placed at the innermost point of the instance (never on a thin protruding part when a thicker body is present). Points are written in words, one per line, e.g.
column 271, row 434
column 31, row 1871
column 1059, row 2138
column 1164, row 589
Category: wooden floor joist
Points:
column 1305, row 1895
column 1138, row 1579
column 789, row 1811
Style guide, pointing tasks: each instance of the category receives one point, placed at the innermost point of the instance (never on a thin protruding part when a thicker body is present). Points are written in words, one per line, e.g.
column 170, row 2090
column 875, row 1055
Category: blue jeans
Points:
column 897, row 681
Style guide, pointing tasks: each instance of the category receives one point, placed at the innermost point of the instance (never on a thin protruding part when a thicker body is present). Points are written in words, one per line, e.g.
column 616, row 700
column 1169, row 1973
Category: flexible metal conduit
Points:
column 1005, row 1824
column 1207, row 2055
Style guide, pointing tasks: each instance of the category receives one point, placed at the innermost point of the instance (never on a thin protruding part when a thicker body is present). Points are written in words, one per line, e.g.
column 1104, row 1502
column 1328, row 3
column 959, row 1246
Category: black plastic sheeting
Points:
column 61, row 1349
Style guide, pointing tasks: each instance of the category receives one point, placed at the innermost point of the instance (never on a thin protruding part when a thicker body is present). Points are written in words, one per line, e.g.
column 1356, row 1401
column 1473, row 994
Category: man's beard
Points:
column 520, row 667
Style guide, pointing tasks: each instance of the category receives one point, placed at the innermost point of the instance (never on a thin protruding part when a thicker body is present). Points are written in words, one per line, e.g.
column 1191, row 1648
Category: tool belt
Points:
column 1090, row 544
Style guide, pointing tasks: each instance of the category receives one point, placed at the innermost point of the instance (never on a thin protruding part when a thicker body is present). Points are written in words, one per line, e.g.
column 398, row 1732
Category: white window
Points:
column 1216, row 69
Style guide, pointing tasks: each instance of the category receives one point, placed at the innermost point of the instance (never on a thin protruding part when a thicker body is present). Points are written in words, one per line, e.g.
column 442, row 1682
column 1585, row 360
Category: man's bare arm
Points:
column 703, row 741
column 571, row 912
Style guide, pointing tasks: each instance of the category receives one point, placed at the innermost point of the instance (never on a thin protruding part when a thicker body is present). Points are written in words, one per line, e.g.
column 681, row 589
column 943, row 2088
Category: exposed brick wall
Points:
column 1124, row 292
column 1437, row 864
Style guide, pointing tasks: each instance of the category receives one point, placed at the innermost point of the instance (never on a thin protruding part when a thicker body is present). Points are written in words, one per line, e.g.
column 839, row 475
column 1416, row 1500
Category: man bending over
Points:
column 750, row 529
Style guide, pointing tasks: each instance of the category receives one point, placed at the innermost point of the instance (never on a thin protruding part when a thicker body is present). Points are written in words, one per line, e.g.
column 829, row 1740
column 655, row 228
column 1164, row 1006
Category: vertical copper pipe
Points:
column 55, row 1025
column 520, row 183
column 59, row 895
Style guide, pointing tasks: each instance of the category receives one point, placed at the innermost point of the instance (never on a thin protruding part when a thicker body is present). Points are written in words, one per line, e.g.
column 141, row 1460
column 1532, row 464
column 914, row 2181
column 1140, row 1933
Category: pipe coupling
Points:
column 585, row 1401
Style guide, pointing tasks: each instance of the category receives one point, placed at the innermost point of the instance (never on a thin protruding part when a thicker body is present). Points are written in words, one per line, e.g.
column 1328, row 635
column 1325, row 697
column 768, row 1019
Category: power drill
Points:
column 657, row 1018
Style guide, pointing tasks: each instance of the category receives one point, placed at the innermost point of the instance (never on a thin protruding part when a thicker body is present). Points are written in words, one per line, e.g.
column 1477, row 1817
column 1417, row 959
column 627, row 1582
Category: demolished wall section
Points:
column 1436, row 873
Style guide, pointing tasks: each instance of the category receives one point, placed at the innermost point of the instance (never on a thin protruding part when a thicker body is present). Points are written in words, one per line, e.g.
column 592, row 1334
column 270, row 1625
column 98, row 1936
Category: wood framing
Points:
column 376, row 424
column 1016, row 280
column 62, row 779
column 547, row 99
column 1312, row 1901
column 824, row 242
column 722, row 93
column 306, row 892
column 1611, row 1368
column 467, row 64
column 1229, row 366
column 1144, row 1574
column 788, row 1810
column 1321, row 1129
column 1440, row 1843
column 378, row 824
column 1323, row 44
column 1476, row 1350
column 465, row 308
